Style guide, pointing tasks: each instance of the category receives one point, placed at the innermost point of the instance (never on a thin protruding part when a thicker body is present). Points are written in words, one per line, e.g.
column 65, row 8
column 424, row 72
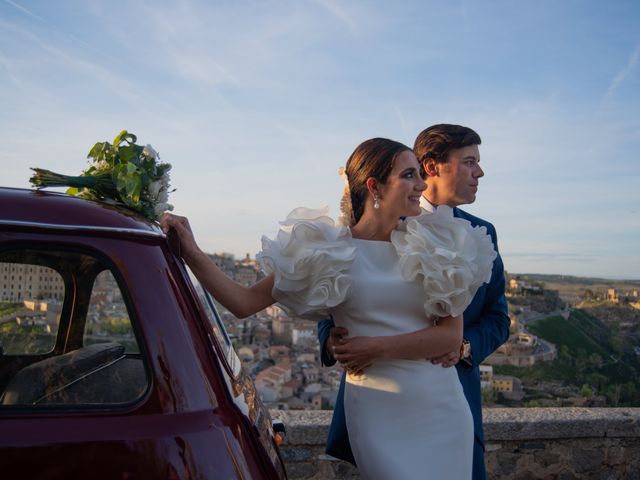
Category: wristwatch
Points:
column 465, row 352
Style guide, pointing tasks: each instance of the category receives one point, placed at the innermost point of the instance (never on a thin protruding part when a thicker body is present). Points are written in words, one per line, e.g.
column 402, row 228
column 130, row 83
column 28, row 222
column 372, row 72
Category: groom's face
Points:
column 456, row 181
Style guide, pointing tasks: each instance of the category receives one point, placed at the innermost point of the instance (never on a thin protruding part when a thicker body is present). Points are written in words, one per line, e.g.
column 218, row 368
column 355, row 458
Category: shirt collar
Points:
column 427, row 205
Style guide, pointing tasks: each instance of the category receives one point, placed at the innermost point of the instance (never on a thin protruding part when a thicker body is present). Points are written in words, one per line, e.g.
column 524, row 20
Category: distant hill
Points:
column 580, row 332
column 572, row 289
column 583, row 335
column 544, row 277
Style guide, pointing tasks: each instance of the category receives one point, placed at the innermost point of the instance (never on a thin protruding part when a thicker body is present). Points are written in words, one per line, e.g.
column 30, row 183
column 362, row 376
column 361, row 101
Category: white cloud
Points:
column 339, row 12
column 24, row 10
column 622, row 74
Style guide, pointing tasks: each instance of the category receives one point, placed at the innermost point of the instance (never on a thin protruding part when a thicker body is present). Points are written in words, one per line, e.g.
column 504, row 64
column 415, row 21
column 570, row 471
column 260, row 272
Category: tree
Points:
column 586, row 391
column 613, row 395
column 595, row 360
column 489, row 396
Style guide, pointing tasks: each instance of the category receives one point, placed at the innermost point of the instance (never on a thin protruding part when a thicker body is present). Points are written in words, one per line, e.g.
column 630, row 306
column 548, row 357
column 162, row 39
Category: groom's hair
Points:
column 437, row 141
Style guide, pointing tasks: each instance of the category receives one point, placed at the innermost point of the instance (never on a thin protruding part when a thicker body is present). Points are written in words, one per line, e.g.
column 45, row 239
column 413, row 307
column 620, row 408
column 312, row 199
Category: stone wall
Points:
column 522, row 444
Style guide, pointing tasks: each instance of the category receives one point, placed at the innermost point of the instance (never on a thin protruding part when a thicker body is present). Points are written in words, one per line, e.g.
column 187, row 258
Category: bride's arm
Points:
column 358, row 353
column 239, row 300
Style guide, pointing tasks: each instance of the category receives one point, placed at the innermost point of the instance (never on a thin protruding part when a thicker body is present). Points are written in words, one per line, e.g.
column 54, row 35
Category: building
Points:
column 310, row 374
column 19, row 281
column 510, row 387
column 304, row 334
column 514, row 324
column 246, row 355
column 486, row 376
column 526, row 340
column 245, row 275
column 279, row 353
column 281, row 327
column 269, row 382
column 225, row 262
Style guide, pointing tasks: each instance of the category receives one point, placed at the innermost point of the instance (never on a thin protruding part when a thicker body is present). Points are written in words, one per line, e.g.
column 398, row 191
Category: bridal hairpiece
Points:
column 346, row 212
column 343, row 174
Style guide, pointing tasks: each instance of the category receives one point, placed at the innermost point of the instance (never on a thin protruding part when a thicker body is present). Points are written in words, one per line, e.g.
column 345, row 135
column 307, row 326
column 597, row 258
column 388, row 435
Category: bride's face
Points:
column 400, row 195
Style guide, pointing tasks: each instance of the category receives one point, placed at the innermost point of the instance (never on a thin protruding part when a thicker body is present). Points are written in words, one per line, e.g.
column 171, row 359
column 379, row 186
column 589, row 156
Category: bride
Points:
column 399, row 287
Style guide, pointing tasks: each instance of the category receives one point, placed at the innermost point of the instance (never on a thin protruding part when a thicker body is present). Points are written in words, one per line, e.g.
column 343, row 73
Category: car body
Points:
column 114, row 362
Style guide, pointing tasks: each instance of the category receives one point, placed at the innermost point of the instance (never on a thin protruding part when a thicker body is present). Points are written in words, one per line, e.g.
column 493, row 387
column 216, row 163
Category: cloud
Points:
column 8, row 65
column 623, row 74
column 74, row 63
column 24, row 10
column 340, row 13
column 401, row 119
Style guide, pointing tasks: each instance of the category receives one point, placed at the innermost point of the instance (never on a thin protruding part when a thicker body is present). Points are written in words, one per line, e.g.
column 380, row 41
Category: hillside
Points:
column 572, row 289
column 591, row 356
column 580, row 332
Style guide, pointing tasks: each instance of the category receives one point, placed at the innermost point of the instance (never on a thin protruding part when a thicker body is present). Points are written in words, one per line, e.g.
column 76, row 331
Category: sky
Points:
column 257, row 104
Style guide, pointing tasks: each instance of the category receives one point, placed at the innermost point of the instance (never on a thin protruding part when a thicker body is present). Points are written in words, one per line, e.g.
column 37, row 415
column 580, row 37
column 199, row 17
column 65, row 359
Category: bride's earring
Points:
column 376, row 202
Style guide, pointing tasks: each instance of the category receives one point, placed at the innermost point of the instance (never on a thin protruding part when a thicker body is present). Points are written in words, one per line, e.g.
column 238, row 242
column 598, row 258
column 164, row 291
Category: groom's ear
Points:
column 430, row 167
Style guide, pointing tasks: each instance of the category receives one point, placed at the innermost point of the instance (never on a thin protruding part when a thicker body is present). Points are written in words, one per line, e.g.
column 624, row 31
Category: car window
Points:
column 67, row 338
column 107, row 317
column 30, row 304
column 217, row 325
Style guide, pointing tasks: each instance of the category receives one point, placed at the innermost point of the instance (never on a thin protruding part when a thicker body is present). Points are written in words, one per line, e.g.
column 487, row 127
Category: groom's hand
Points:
column 447, row 360
column 356, row 354
column 336, row 334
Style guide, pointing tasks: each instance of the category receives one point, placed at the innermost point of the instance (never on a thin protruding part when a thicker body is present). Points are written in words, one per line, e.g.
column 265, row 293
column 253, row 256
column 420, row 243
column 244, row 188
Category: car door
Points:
column 101, row 371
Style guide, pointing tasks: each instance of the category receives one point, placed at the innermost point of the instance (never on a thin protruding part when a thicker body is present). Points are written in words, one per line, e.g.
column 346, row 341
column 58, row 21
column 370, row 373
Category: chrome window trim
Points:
column 83, row 228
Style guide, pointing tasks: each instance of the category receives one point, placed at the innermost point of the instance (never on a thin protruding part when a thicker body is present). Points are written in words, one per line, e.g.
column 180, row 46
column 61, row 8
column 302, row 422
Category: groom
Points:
column 450, row 157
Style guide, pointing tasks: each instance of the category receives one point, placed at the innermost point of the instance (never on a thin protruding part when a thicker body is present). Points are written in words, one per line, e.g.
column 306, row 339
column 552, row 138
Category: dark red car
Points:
column 114, row 364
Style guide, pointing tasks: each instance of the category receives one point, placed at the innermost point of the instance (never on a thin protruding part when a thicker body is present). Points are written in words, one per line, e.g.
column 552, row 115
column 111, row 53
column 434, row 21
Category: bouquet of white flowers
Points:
column 122, row 172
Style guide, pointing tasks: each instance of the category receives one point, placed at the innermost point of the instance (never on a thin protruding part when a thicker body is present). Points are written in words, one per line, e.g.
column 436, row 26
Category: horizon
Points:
column 513, row 274
column 257, row 105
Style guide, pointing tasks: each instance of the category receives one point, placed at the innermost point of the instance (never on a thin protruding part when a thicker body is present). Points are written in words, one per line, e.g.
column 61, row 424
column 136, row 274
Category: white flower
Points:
column 149, row 152
column 154, row 189
column 160, row 208
column 102, row 165
column 163, row 196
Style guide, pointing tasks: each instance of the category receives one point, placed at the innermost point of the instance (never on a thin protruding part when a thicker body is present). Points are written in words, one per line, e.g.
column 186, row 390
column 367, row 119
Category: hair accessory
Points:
column 346, row 212
column 343, row 173
column 376, row 202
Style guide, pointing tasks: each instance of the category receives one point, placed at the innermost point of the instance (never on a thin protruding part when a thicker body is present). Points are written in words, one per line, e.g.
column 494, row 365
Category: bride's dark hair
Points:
column 372, row 158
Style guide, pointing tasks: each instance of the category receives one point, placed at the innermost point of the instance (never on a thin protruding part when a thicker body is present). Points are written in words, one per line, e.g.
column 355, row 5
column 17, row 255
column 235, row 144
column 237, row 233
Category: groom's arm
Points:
column 491, row 329
column 324, row 332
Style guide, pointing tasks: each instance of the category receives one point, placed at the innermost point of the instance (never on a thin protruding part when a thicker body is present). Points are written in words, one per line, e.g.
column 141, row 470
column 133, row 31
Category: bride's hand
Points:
column 183, row 229
column 357, row 353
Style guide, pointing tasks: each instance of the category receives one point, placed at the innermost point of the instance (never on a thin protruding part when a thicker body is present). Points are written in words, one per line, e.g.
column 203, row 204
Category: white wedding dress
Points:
column 407, row 419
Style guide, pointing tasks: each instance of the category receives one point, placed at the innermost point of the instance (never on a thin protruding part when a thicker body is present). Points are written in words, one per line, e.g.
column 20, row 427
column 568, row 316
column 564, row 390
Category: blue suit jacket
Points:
column 486, row 327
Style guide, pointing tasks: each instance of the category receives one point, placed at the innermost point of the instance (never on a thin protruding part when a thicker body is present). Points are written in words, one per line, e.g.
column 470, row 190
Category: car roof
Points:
column 53, row 210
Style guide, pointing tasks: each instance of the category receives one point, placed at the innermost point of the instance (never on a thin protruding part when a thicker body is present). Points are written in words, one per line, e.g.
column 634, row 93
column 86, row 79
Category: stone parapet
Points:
column 521, row 443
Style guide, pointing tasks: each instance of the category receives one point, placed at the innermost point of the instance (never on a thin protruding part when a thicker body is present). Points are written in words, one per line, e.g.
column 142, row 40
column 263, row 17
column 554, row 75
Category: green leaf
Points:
column 132, row 169
column 127, row 154
column 125, row 136
column 132, row 185
column 129, row 184
column 93, row 153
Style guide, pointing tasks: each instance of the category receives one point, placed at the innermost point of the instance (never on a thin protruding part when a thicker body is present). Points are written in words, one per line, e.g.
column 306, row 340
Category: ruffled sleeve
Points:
column 451, row 257
column 310, row 258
